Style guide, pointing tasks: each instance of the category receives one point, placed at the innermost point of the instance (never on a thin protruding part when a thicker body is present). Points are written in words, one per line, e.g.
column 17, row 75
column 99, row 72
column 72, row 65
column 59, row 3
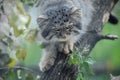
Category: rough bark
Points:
column 64, row 71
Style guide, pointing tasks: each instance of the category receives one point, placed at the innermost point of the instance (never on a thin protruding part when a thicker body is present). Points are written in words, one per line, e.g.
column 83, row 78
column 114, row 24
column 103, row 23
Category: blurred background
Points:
column 106, row 52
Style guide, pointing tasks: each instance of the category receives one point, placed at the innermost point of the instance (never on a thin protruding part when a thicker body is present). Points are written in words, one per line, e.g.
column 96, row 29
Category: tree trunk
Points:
column 64, row 71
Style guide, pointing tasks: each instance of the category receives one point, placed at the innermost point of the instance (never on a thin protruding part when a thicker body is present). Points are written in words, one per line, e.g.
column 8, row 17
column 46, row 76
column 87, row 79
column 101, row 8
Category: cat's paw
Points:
column 66, row 47
column 46, row 65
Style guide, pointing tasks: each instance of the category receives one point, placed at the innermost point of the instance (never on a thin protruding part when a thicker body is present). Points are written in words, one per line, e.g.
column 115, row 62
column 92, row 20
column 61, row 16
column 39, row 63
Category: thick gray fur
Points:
column 60, row 35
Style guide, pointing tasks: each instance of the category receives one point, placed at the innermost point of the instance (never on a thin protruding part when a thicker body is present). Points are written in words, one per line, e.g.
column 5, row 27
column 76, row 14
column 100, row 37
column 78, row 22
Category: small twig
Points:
column 110, row 37
column 18, row 67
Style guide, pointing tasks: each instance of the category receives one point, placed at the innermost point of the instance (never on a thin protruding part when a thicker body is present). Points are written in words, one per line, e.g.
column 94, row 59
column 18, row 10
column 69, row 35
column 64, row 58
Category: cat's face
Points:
column 60, row 23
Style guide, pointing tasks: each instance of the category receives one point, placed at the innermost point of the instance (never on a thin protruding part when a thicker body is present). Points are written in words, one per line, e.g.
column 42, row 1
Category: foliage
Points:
column 83, row 62
column 30, row 2
column 15, row 35
column 18, row 73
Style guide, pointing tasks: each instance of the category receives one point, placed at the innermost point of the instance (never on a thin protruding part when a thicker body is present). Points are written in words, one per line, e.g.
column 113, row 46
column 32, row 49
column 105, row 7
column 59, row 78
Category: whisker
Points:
column 76, row 31
column 49, row 36
column 78, row 26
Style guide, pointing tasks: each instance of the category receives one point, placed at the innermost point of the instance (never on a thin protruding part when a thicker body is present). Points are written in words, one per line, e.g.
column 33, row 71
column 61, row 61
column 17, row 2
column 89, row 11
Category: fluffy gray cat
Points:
column 61, row 23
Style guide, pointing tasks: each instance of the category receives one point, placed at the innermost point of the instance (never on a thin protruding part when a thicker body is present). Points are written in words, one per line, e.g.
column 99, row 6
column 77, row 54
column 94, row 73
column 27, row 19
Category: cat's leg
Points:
column 66, row 47
column 48, row 58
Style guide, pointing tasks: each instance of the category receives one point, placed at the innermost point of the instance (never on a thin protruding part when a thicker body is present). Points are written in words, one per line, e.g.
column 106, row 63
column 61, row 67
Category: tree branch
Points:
column 109, row 37
column 18, row 67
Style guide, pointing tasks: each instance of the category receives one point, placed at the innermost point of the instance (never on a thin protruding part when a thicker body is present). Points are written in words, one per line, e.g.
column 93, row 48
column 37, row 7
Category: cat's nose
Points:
column 63, row 36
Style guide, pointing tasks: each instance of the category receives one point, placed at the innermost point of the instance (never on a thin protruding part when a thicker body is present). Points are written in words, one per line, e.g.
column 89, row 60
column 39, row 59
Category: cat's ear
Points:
column 41, row 18
column 75, row 10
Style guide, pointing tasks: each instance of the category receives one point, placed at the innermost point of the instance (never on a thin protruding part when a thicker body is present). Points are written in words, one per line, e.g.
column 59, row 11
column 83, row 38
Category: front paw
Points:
column 66, row 47
column 46, row 65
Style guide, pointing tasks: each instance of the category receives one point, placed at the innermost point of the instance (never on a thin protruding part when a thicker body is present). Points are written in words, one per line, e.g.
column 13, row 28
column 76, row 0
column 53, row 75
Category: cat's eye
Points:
column 67, row 28
column 66, row 15
column 71, row 26
column 61, row 24
column 63, row 9
column 59, row 11
column 57, row 30
column 55, row 22
column 66, row 20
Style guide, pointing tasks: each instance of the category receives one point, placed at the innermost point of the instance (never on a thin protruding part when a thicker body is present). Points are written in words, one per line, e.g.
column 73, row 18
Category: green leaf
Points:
column 90, row 60
column 80, row 76
column 87, row 68
column 21, row 54
column 20, row 8
column 11, row 75
column 12, row 63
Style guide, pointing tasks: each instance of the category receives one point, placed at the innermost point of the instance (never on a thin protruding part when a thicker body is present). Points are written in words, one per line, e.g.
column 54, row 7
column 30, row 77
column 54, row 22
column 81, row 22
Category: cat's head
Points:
column 60, row 23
